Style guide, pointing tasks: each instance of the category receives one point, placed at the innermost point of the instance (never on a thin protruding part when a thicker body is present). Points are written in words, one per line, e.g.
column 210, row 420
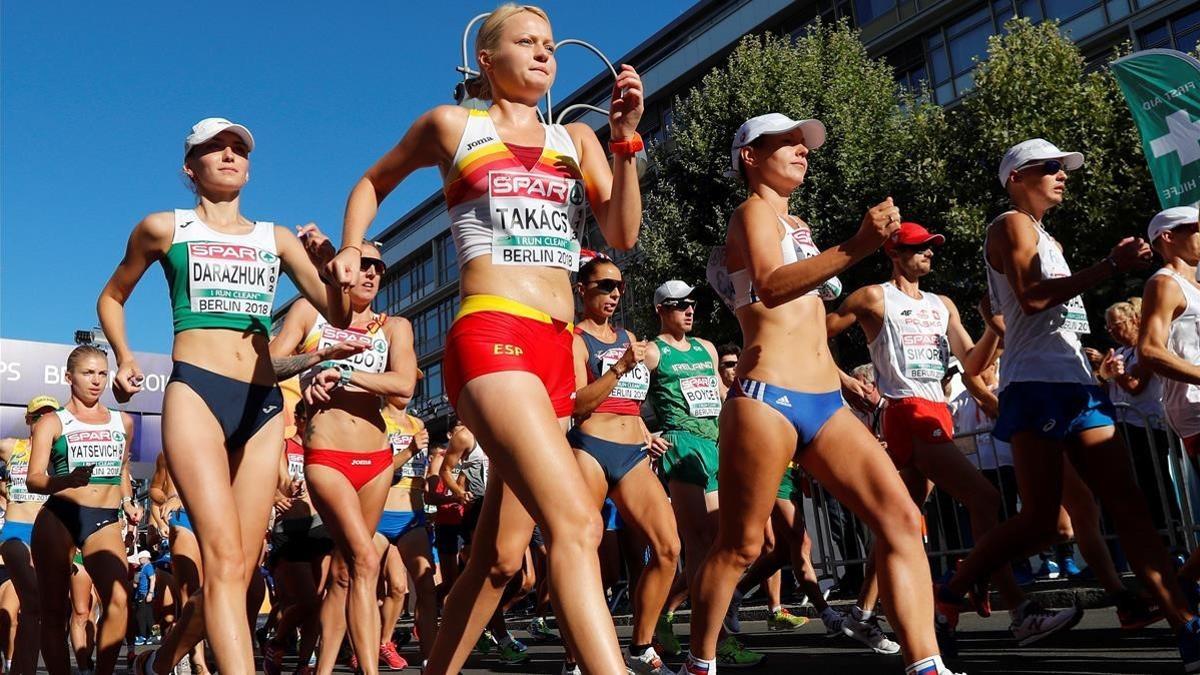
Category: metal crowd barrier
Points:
column 842, row 540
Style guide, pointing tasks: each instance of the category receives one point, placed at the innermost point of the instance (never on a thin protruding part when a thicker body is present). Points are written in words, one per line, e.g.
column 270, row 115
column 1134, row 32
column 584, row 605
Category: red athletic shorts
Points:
column 358, row 467
column 492, row 334
column 914, row 419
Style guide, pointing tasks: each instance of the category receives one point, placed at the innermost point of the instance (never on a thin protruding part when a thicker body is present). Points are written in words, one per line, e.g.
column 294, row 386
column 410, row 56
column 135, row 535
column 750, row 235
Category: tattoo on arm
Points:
column 287, row 366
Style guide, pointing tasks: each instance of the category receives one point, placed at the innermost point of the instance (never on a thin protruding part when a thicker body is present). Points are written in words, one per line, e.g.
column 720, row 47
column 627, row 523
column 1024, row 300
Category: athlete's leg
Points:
column 394, row 578
column 19, row 563
column 229, row 513
column 643, row 505
column 189, row 576
column 696, row 515
column 83, row 618
column 1081, row 506
column 333, row 613
column 849, row 462
column 772, row 585
column 53, row 549
column 104, row 559
column 790, row 526
column 255, row 595
column 418, row 559
column 10, row 605
column 1104, row 464
column 511, row 415
column 351, row 519
column 945, row 465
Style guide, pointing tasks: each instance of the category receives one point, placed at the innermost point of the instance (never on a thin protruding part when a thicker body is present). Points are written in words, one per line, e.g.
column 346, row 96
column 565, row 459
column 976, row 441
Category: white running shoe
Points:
column 647, row 664
column 1036, row 622
column 870, row 634
column 834, row 621
column 185, row 666
column 571, row 669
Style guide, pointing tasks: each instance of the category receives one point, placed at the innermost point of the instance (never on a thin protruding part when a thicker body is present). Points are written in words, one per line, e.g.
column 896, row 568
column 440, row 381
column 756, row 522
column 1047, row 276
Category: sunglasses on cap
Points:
column 365, row 264
column 609, row 285
column 678, row 303
column 1049, row 167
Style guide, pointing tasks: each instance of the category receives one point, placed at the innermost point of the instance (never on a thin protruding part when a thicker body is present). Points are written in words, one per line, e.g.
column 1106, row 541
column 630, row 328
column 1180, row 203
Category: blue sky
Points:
column 98, row 96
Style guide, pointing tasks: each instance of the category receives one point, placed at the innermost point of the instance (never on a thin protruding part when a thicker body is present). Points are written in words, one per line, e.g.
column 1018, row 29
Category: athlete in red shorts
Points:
column 911, row 334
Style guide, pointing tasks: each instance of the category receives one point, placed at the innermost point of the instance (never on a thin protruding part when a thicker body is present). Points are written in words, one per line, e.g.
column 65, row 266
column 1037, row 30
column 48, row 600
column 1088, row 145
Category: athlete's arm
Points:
column 864, row 306
column 716, row 361
column 1162, row 301
column 132, row 509
column 45, row 432
column 428, row 142
column 754, row 239
column 300, row 318
column 459, row 444
column 1013, row 243
column 400, row 379
column 329, row 299
column 653, row 355
column 983, row 395
column 974, row 356
column 149, row 242
column 6, row 448
column 158, row 481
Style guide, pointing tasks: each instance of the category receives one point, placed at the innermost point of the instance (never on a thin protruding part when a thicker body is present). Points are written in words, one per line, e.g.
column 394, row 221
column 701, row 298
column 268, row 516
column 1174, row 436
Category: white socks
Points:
column 929, row 666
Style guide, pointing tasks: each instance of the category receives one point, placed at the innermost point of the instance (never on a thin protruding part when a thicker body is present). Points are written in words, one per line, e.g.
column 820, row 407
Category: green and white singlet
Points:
column 101, row 446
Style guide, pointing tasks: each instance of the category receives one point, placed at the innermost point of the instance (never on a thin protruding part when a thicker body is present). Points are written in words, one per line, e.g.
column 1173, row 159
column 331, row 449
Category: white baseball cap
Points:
column 1170, row 219
column 208, row 127
column 142, row 554
column 1035, row 150
column 769, row 125
column 672, row 290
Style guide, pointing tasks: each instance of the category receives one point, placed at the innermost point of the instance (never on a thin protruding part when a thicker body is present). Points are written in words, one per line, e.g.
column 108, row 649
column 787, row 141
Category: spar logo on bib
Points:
column 334, row 335
column 94, row 436
column 534, row 186
column 230, row 252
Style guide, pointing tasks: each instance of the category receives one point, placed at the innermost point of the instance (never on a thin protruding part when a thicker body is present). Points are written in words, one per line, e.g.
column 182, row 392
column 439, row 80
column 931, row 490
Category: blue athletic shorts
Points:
column 807, row 412
column 1052, row 410
column 612, row 519
column 395, row 524
column 17, row 530
column 179, row 518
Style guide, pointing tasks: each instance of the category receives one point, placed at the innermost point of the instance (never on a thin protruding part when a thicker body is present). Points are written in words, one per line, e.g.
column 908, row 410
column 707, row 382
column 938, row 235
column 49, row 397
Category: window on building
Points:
column 866, row 11
column 447, row 259
column 1181, row 32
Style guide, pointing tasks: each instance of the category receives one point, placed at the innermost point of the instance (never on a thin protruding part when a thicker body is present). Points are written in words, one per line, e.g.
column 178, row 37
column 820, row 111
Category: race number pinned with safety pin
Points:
column 535, row 218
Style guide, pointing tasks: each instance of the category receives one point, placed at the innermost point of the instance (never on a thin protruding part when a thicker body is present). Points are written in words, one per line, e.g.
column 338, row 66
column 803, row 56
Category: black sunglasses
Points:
column 729, row 364
column 1049, row 167
column 365, row 264
column 915, row 248
column 609, row 285
column 679, row 303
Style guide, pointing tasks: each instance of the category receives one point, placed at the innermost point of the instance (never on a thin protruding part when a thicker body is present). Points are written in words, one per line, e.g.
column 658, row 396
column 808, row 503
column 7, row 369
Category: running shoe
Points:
column 834, row 622
column 1189, row 645
column 388, row 656
column 1048, row 570
column 512, row 651
column 870, row 634
column 1135, row 613
column 665, row 635
column 731, row 623
column 184, row 667
column 540, row 631
column 486, row 643
column 947, row 635
column 732, row 654
column 272, row 663
column 948, row 605
column 785, row 620
column 1068, row 566
column 646, row 664
column 571, row 669
column 354, row 662
column 139, row 641
column 1034, row 622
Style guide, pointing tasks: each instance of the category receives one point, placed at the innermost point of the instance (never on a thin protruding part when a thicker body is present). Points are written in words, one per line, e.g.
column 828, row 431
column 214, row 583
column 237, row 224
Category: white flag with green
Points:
column 1162, row 88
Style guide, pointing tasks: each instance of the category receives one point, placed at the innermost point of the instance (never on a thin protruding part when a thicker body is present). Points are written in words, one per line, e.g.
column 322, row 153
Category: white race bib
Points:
column 103, row 449
column 633, row 385
column 295, row 463
column 373, row 359
column 18, row 491
column 231, row 278
column 925, row 356
column 702, row 396
column 535, row 218
column 802, row 241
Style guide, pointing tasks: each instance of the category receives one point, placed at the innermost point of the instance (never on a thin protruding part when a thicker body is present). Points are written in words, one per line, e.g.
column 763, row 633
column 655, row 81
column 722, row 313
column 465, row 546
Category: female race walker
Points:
column 515, row 189
column 222, row 432
column 80, row 456
column 16, row 537
column 787, row 403
column 347, row 455
column 610, row 442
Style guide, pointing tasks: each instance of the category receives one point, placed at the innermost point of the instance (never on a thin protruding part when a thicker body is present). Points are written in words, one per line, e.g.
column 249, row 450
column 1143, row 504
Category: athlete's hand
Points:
column 635, row 354
column 298, row 488
column 282, row 504
column 1131, row 253
column 658, row 445
column 127, row 381
column 133, row 513
column 857, row 395
column 343, row 268
column 77, row 478
column 321, row 384
column 318, row 247
column 625, row 108
column 880, row 222
column 421, row 439
column 342, row 350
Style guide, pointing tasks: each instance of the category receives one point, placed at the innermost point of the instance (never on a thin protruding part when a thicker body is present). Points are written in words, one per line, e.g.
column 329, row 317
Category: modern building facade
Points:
column 937, row 41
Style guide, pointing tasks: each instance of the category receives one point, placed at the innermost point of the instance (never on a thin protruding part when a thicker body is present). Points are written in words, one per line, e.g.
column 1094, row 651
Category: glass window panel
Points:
column 1187, row 42
column 1065, row 9
column 1085, row 24
column 940, row 65
column 1003, row 16
column 963, row 83
column 1031, row 9
column 944, row 94
column 1154, row 37
column 1147, row 3
column 1118, row 9
column 935, row 41
column 970, row 44
column 866, row 11
column 969, row 23
column 1186, row 22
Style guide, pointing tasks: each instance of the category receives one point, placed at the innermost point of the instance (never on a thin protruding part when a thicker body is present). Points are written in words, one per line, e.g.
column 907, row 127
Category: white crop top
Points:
column 736, row 288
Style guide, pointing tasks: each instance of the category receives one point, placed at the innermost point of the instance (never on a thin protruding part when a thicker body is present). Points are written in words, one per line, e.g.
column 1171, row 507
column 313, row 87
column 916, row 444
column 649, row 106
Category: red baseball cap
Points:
column 912, row 234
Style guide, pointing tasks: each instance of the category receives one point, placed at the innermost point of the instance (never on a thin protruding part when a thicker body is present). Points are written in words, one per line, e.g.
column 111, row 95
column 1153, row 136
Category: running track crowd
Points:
column 549, row 450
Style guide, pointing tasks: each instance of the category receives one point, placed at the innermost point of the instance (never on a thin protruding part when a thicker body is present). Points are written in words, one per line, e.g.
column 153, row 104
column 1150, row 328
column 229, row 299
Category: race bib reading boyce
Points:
column 703, row 398
column 535, row 218
column 231, row 278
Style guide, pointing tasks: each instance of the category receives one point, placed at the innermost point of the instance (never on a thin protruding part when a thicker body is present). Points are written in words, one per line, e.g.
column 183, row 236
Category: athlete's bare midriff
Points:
column 351, row 421
column 22, row 512
column 616, row 428
column 787, row 346
column 544, row 288
column 241, row 356
column 93, row 496
column 406, row 496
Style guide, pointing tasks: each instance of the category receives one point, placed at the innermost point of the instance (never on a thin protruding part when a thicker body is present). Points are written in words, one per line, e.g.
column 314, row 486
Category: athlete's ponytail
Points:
column 488, row 38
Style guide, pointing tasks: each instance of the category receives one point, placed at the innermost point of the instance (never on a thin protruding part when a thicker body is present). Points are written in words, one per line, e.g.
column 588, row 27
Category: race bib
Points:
column 231, row 278
column 103, row 449
column 633, row 385
column 1076, row 319
column 802, row 241
column 373, row 359
column 415, row 467
column 295, row 465
column 17, row 489
column 1073, row 315
column 535, row 218
column 703, row 398
column 717, row 273
column 925, row 356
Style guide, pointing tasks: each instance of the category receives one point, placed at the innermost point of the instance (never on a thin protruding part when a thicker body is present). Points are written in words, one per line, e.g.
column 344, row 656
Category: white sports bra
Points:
column 737, row 290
